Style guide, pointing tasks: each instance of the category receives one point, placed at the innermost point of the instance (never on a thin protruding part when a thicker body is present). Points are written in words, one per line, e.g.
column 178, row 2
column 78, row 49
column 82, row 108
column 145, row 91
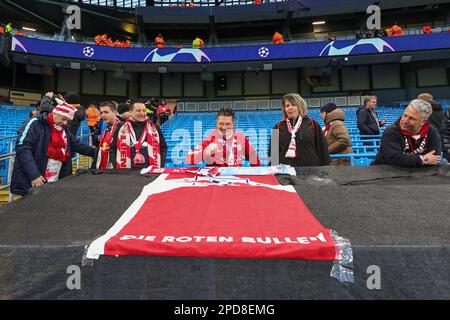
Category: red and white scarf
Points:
column 416, row 146
column 292, row 151
column 232, row 157
column 105, row 145
column 326, row 128
column 57, row 146
column 127, row 139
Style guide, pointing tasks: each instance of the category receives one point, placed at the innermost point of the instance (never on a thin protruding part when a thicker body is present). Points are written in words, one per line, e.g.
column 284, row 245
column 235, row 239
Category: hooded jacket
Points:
column 337, row 137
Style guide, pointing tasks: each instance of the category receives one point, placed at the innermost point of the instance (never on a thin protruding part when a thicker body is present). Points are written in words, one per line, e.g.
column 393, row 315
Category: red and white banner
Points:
column 222, row 217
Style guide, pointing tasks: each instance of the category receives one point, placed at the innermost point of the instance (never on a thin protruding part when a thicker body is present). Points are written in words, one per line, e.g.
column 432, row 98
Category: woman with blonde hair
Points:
column 301, row 142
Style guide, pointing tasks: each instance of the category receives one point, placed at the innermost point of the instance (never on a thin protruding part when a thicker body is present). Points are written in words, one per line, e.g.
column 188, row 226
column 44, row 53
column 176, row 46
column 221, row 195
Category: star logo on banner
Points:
column 263, row 52
column 88, row 52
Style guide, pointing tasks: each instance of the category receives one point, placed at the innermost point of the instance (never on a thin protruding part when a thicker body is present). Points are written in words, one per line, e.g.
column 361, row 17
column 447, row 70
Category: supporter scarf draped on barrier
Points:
column 221, row 217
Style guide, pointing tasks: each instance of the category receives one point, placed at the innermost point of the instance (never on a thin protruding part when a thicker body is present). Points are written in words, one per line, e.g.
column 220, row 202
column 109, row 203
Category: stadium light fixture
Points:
column 29, row 29
column 318, row 22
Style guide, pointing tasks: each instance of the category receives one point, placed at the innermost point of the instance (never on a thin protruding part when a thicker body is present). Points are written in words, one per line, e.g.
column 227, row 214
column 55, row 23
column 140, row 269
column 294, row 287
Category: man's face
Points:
column 138, row 114
column 107, row 115
column 60, row 120
column 372, row 103
column 411, row 120
column 291, row 110
column 225, row 125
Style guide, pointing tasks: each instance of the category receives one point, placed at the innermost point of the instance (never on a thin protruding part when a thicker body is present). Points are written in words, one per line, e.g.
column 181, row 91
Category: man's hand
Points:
column 211, row 149
column 431, row 159
column 210, row 154
column 39, row 181
column 382, row 122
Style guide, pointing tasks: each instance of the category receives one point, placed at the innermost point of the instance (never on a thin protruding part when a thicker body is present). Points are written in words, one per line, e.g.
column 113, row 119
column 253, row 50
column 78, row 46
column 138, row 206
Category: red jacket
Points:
column 221, row 156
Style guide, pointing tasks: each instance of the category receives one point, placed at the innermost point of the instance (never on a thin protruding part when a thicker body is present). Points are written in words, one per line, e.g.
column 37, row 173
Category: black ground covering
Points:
column 396, row 219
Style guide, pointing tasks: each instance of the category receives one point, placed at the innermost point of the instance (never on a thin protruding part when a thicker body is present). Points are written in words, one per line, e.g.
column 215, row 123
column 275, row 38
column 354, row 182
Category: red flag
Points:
column 222, row 217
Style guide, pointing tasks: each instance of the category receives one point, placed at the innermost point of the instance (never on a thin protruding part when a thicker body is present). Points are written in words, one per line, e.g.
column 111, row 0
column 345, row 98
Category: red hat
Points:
column 64, row 109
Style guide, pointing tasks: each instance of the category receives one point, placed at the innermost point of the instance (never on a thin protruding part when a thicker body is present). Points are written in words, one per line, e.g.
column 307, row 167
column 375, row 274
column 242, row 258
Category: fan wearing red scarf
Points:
column 411, row 142
column 225, row 146
column 139, row 142
column 106, row 156
column 43, row 149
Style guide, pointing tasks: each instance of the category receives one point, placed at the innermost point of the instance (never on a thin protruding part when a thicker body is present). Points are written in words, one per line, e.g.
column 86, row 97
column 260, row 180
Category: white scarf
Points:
column 292, row 151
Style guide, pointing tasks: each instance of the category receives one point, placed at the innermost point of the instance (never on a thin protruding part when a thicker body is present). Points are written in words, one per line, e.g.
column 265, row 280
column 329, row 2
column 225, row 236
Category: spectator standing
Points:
column 396, row 31
column 336, row 133
column 301, row 141
column 159, row 40
column 427, row 29
column 277, row 38
column 93, row 117
column 368, row 122
column 198, row 43
column 139, row 142
column 43, row 149
column 106, row 155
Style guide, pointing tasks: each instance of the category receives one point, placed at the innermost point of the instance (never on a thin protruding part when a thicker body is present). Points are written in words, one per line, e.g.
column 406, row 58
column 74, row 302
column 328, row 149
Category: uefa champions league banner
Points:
column 235, row 53
column 232, row 216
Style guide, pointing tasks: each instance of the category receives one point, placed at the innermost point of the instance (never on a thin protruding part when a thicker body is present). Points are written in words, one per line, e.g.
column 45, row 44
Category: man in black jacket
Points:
column 446, row 134
column 411, row 141
column 368, row 122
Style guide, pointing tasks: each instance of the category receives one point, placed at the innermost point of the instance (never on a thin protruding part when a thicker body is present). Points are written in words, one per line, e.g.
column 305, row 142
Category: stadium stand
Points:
column 392, row 218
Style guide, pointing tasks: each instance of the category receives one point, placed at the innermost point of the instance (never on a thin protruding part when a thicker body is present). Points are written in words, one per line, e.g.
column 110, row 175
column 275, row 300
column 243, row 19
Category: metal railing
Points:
column 10, row 158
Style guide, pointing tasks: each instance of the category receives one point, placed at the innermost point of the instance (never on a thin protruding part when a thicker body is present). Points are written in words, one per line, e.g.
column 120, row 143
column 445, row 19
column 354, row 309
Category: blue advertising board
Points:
column 230, row 54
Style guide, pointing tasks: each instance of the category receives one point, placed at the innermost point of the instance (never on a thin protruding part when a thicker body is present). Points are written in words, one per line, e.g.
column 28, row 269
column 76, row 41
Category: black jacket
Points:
column 367, row 124
column 437, row 116
column 78, row 117
column 31, row 153
column 446, row 135
column 393, row 145
column 311, row 147
column 112, row 147
column 138, row 129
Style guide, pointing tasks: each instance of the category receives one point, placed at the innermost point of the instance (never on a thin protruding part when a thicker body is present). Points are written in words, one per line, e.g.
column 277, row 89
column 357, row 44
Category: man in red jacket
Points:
column 225, row 146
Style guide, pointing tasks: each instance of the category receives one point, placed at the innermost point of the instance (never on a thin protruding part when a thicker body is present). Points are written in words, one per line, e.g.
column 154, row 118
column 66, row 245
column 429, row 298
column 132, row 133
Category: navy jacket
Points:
column 446, row 134
column 367, row 124
column 393, row 144
column 31, row 153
